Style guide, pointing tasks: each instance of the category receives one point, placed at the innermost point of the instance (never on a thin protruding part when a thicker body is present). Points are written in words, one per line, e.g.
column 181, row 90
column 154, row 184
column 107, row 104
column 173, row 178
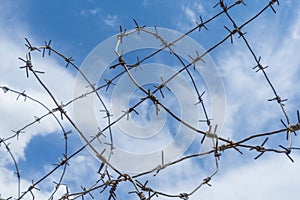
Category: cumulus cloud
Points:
column 248, row 111
column 23, row 109
column 262, row 179
column 9, row 182
column 17, row 110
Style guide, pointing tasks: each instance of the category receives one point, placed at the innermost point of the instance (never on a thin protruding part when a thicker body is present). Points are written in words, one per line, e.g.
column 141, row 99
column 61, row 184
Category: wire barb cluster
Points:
column 110, row 178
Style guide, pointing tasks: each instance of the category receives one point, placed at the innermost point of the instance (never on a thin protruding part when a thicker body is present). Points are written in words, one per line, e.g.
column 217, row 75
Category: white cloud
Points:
column 247, row 91
column 16, row 114
column 267, row 178
column 111, row 20
column 191, row 13
column 194, row 11
column 272, row 177
column 9, row 182
column 24, row 111
column 91, row 12
column 295, row 30
column 248, row 111
column 94, row 11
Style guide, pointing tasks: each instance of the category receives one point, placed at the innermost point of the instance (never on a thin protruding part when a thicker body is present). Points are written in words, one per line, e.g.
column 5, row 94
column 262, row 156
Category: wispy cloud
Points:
column 295, row 30
column 91, row 12
column 190, row 14
column 111, row 20
column 248, row 91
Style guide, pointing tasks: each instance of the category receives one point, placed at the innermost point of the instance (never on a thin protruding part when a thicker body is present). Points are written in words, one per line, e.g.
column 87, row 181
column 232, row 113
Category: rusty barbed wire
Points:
column 106, row 183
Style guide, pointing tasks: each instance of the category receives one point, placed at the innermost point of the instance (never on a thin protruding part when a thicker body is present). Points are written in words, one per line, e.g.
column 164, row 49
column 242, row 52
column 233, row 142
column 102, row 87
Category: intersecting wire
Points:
column 106, row 180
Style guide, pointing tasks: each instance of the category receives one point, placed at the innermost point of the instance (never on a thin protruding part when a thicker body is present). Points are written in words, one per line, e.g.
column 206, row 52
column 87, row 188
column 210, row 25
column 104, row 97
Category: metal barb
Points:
column 201, row 24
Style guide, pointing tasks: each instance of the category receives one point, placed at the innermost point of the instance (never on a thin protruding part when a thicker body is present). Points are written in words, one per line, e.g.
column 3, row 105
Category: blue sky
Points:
column 77, row 27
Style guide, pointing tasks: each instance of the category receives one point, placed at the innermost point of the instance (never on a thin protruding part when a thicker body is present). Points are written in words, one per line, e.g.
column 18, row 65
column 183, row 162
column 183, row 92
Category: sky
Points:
column 238, row 103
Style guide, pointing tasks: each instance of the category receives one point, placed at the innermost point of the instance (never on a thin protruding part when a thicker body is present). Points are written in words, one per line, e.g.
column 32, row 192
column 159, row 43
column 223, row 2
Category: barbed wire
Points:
column 109, row 176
